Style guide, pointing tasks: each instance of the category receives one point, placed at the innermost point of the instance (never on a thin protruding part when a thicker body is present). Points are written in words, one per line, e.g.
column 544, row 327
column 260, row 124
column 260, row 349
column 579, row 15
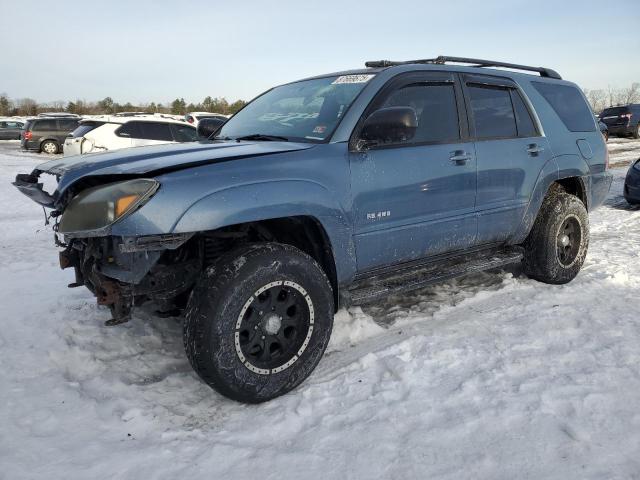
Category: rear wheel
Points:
column 49, row 146
column 557, row 244
column 259, row 321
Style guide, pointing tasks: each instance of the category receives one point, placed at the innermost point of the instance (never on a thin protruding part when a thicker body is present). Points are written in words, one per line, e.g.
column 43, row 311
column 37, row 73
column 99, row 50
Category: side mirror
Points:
column 208, row 126
column 389, row 125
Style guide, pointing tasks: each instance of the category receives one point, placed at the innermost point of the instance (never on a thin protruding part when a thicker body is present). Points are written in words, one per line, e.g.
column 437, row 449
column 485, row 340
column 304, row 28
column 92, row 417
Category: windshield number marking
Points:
column 352, row 79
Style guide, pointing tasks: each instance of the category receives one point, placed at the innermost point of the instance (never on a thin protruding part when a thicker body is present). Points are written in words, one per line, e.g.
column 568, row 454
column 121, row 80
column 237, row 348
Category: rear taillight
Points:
column 28, row 135
column 190, row 120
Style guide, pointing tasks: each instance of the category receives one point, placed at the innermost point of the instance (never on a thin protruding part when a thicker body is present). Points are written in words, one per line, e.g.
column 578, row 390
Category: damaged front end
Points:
column 123, row 272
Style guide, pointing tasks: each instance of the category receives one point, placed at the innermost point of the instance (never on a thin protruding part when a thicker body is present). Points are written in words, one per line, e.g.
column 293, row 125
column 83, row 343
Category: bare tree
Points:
column 631, row 94
column 26, row 106
column 597, row 99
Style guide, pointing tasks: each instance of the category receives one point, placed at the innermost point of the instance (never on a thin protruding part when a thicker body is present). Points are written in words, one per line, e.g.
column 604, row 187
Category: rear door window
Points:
column 524, row 121
column 155, row 131
column 129, row 130
column 569, row 105
column 183, row 133
column 492, row 111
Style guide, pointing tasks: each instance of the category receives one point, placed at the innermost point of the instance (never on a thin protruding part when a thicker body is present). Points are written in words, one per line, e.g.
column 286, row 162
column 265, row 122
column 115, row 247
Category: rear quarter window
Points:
column 569, row 105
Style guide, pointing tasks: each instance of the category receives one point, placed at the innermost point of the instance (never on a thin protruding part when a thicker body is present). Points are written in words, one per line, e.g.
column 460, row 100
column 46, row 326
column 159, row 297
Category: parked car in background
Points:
column 194, row 117
column 622, row 121
column 114, row 133
column 10, row 129
column 632, row 184
column 47, row 134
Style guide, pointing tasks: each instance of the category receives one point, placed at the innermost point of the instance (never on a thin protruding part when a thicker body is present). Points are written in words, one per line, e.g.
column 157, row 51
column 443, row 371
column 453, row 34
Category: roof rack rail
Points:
column 474, row 62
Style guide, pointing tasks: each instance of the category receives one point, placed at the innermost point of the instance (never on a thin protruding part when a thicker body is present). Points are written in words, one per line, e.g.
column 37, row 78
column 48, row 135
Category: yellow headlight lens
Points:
column 123, row 203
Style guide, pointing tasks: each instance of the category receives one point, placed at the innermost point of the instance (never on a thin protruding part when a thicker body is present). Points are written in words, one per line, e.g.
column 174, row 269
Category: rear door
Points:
column 510, row 152
column 416, row 198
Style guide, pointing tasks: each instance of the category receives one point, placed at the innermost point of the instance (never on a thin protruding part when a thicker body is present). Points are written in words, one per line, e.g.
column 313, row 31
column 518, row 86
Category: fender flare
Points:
column 274, row 199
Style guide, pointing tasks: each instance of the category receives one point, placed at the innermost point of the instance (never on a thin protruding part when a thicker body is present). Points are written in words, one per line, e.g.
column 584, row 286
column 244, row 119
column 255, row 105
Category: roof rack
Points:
column 474, row 62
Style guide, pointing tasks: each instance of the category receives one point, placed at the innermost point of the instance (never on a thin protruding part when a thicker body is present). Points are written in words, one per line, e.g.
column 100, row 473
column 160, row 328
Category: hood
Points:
column 149, row 160
column 160, row 158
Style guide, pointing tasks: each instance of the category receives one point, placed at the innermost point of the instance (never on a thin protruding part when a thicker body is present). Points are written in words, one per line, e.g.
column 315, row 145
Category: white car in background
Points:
column 101, row 134
column 194, row 117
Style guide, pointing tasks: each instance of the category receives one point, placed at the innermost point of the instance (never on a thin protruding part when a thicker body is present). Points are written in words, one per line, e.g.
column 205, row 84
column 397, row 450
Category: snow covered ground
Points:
column 490, row 376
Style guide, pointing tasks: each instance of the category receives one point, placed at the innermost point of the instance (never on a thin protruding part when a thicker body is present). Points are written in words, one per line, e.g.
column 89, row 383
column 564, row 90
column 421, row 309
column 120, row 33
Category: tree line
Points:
column 24, row 107
column 601, row 99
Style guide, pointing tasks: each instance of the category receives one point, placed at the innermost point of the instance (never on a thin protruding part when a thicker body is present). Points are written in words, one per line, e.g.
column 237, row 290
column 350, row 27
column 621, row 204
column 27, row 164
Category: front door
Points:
column 416, row 198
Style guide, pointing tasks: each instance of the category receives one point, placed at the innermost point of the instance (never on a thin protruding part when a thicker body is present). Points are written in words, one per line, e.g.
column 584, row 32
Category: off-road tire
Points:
column 542, row 259
column 216, row 307
column 50, row 146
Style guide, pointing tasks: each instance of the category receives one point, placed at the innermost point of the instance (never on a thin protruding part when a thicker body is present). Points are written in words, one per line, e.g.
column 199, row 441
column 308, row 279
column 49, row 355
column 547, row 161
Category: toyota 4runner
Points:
column 335, row 190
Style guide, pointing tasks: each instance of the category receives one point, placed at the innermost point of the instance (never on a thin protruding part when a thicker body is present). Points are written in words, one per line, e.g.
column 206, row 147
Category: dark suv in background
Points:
column 47, row 134
column 623, row 120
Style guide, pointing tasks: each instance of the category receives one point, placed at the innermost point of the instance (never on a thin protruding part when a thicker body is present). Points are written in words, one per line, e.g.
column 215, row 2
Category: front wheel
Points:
column 258, row 321
column 557, row 244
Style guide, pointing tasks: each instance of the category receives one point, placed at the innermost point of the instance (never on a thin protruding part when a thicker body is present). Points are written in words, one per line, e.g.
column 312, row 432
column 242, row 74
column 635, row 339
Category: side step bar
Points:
column 376, row 287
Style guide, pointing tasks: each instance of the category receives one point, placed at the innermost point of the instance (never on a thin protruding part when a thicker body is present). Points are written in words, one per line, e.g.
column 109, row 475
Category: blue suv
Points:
column 339, row 189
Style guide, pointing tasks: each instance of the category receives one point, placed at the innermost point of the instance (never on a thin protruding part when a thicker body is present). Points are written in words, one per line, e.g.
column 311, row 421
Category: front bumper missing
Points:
column 120, row 274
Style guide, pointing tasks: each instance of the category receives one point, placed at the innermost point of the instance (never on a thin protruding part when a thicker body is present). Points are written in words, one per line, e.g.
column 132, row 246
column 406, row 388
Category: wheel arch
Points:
column 305, row 232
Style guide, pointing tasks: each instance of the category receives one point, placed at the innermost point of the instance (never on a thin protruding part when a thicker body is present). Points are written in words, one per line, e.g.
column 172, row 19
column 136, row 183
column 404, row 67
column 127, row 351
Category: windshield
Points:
column 303, row 111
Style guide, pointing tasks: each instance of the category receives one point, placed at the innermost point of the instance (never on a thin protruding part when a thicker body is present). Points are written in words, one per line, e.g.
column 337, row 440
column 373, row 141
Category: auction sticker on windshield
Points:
column 364, row 78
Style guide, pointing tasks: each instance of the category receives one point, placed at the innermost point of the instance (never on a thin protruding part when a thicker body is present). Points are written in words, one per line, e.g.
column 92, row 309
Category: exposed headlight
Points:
column 99, row 207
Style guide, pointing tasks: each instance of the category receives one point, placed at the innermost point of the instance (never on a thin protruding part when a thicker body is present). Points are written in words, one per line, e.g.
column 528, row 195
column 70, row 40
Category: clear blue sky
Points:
column 142, row 51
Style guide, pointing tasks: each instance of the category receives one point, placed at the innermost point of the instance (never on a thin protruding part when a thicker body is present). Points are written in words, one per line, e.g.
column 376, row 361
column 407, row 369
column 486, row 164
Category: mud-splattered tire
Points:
column 557, row 244
column 258, row 321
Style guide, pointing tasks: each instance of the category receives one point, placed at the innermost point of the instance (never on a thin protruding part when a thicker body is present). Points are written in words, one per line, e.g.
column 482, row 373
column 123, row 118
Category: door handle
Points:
column 459, row 157
column 533, row 149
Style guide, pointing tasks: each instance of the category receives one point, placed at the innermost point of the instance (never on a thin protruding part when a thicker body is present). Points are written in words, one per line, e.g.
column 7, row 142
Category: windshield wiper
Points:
column 261, row 137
